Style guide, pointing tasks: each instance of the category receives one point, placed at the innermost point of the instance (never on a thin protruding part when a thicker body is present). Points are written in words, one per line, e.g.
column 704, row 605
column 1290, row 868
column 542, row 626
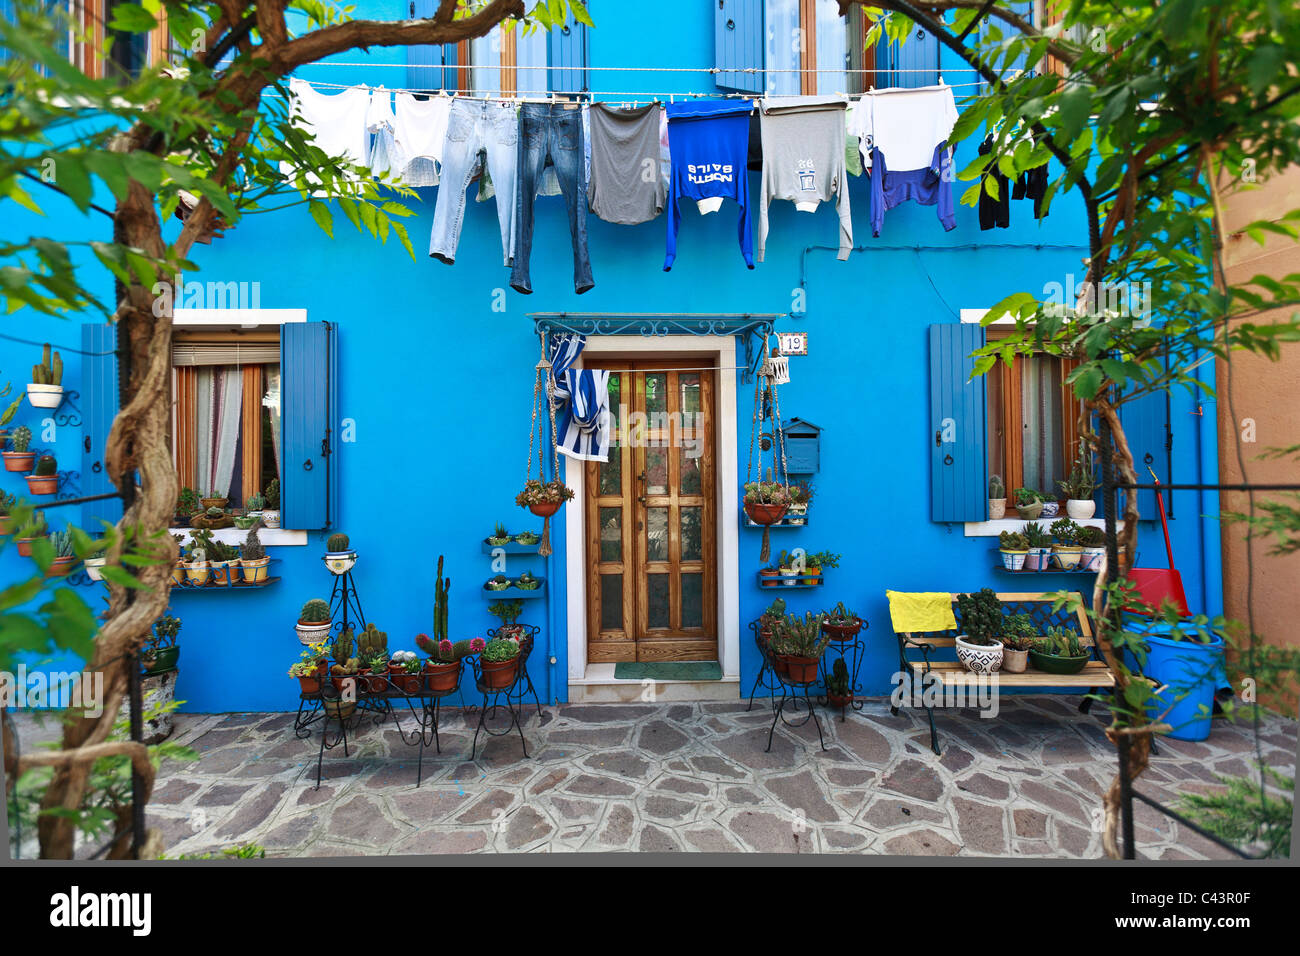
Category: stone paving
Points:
column 692, row 776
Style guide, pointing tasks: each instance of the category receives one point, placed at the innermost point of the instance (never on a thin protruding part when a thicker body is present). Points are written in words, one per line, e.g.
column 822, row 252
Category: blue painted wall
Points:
column 440, row 384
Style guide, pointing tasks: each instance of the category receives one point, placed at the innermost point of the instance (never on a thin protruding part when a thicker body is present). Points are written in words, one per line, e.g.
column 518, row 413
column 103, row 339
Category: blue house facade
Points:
column 404, row 393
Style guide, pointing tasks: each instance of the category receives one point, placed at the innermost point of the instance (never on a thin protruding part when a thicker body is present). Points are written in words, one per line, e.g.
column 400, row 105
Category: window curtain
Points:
column 783, row 39
column 1043, row 428
column 271, row 401
column 832, row 49
column 219, row 399
column 581, row 402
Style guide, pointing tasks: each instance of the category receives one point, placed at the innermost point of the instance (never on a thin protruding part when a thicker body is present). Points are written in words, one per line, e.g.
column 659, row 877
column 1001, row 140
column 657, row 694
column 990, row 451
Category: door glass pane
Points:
column 656, row 394
column 692, row 600
column 656, row 548
column 691, row 483
column 692, row 533
column 611, row 473
column 657, row 600
column 656, row 471
column 615, row 397
column 611, row 602
column 689, row 401
column 611, row 534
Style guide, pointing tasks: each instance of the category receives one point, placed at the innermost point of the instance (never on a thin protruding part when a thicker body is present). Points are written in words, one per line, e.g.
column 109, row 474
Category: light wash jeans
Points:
column 475, row 130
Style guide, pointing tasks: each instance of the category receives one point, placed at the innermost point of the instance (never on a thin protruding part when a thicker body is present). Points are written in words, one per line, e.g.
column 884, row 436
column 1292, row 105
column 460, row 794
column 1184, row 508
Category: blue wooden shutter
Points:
column 423, row 63
column 918, row 52
column 99, row 401
column 958, row 433
column 1146, row 426
column 568, row 51
column 738, row 44
column 308, row 409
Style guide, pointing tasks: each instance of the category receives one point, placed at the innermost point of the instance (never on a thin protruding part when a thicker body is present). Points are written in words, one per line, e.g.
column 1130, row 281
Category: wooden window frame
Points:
column 93, row 17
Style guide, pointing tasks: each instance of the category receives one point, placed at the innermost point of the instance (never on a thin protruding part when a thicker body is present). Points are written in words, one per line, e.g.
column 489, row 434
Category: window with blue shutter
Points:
column 1146, row 426
column 569, row 49
column 308, row 437
column 738, row 41
column 99, row 403
column 425, row 64
column 914, row 62
column 958, row 425
column 993, row 59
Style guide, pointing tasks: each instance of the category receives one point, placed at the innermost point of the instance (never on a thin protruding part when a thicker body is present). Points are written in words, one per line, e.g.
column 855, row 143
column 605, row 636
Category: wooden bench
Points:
column 952, row 673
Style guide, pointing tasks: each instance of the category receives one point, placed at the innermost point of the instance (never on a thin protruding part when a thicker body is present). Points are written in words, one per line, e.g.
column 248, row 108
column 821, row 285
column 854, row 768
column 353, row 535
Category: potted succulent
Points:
column 1093, row 542
column 997, row 498
column 497, row 582
column 271, row 513
column 981, row 625
column 815, row 562
column 442, row 669
column 178, row 569
column 314, row 622
column 212, row 519
column 528, row 538
column 1014, row 547
column 21, row 458
column 253, row 505
column 770, row 620
column 766, row 502
column 46, row 388
column 499, row 537
column 339, row 558
column 1040, row 546
column 223, row 559
column 196, row 567
column 840, row 623
column 35, row 528
column 187, row 505
column 543, row 498
column 508, row 612
column 500, row 663
column 44, row 480
column 801, row 496
column 1029, row 503
column 1080, row 485
column 310, row 669
column 253, row 561
column 346, row 669
column 7, row 504
column 786, row 568
column 372, row 652
column 769, row 577
column 799, row 643
column 527, row 582
column 1059, row 651
column 1066, row 551
column 1018, row 636
column 95, row 560
column 838, row 693
column 214, row 499
column 404, row 669
column 160, row 653
column 65, row 555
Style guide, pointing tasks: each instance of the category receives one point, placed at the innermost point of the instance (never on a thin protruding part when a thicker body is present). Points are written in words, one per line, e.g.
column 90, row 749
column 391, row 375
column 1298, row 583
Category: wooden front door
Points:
column 651, row 520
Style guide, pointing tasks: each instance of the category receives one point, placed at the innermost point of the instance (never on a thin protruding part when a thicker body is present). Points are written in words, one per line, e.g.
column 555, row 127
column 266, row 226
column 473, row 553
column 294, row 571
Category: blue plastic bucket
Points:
column 1188, row 671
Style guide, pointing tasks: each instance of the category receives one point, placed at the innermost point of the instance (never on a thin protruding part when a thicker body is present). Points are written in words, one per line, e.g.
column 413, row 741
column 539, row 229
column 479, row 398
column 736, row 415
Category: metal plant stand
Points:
column 851, row 648
column 790, row 697
column 510, row 698
column 344, row 600
column 766, row 677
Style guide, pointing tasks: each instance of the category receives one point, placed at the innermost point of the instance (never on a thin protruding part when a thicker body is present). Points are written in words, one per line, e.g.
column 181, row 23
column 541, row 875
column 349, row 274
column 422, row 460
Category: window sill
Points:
column 271, row 537
column 991, row 529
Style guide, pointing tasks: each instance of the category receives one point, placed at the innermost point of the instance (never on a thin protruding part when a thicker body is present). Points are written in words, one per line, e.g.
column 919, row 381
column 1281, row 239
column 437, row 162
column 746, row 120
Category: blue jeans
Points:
column 551, row 132
column 475, row 129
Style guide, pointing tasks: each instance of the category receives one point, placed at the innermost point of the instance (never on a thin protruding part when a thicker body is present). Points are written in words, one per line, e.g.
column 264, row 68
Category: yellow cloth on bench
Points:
column 920, row 611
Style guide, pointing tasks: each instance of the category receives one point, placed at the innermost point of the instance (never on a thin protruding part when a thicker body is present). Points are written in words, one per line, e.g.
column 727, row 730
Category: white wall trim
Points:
column 974, row 316
column 268, row 536
column 719, row 350
column 240, row 317
column 991, row 529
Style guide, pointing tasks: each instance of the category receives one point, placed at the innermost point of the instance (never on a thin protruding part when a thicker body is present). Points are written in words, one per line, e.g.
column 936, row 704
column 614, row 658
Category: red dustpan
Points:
column 1156, row 585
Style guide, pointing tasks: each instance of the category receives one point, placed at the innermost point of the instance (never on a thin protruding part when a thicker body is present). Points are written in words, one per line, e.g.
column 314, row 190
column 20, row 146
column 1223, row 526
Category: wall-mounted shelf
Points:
column 513, row 593
column 234, row 581
column 514, row 547
column 779, row 584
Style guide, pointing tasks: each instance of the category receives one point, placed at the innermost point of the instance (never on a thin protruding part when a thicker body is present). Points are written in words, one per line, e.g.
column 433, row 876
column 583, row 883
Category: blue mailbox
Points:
column 802, row 446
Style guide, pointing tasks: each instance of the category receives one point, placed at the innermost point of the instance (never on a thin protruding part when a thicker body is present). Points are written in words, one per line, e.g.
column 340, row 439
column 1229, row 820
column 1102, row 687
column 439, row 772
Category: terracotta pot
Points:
column 341, row 681
column 375, row 683
column 60, row 566
column 441, row 678
column 838, row 702
column 781, row 666
column 499, row 675
column 25, row 546
column 212, row 503
column 842, row 632
column 769, row 578
column 19, row 460
column 801, row 670
column 6, row 524
column 406, row 683
column 42, row 484
column 310, row 684
column 764, row 513
column 255, row 571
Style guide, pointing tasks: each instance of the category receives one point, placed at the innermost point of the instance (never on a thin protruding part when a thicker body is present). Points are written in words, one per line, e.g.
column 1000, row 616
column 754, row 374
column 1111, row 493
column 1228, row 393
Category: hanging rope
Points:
column 544, row 372
column 765, row 391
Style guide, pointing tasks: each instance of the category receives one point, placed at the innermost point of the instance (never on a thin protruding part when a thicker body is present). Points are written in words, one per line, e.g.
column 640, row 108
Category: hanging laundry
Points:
column 993, row 212
column 551, row 133
column 420, row 131
column 904, row 124
column 478, row 131
column 384, row 159
column 931, row 186
column 550, row 181
column 1032, row 184
column 625, row 186
column 708, row 143
column 582, row 418
column 337, row 123
column 803, row 161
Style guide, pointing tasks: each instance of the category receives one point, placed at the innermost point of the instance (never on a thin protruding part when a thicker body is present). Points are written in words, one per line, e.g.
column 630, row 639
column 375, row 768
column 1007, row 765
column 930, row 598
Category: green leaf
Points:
column 117, row 575
column 324, row 218
column 132, row 18
column 1073, row 106
column 1265, row 67
column 1086, row 380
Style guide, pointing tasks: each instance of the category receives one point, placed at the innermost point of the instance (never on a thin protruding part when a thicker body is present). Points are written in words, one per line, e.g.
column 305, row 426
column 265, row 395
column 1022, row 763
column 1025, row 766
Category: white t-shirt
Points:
column 905, row 124
column 421, row 128
column 337, row 122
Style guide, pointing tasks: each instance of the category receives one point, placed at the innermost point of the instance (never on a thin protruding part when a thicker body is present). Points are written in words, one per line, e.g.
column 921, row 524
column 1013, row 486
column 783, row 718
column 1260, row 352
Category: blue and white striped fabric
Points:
column 582, row 402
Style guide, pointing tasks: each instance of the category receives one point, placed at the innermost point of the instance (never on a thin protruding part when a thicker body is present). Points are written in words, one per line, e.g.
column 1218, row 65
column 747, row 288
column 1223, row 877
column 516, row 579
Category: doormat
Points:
column 668, row 670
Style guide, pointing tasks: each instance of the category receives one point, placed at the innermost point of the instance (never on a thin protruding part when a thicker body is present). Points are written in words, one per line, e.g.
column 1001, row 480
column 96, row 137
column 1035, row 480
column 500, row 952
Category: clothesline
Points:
column 646, row 69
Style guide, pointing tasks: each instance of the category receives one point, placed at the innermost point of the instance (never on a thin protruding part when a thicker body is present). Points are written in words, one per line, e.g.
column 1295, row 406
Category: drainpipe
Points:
column 1208, row 499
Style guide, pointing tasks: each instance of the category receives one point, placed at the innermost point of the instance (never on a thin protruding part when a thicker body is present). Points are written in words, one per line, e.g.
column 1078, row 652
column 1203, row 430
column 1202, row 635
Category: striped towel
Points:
column 582, row 425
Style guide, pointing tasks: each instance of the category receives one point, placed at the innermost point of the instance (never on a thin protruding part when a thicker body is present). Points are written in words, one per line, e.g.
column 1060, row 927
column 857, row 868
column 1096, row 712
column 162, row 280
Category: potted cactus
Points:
column 35, row 528
column 46, row 388
column 45, row 479
column 346, row 667
column 1093, row 542
column 1066, row 551
column 528, row 582
column 1014, row 547
column 196, row 567
column 314, row 622
column 1080, row 485
column 838, row 693
column 997, row 498
column 271, row 513
column 508, row 612
column 498, row 582
column 339, row 558
column 160, row 653
column 372, row 652
column 499, row 660
column 1059, row 651
column 770, row 620
column 65, row 556
column 499, row 537
column 1029, row 503
column 21, row 458
column 799, row 643
column 1040, row 546
column 840, row 623
column 1018, row 635
column 253, row 561
column 981, row 624
column 404, row 672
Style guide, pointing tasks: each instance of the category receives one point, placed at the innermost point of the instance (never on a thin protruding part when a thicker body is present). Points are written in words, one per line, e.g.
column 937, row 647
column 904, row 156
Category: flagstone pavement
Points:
column 693, row 777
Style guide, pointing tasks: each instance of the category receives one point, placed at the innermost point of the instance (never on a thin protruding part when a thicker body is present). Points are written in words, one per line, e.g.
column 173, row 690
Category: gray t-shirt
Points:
column 625, row 186
column 803, row 161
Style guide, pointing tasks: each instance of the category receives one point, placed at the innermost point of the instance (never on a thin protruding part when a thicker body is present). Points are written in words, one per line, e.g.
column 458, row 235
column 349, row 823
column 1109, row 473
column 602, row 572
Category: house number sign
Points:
column 792, row 343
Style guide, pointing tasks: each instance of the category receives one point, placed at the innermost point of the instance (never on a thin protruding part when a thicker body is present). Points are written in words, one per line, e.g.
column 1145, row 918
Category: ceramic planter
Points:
column 445, row 677
column 309, row 684
column 213, row 503
column 764, row 513
column 812, row 575
column 1038, row 559
column 43, row 484
column 1080, row 508
column 789, row 576
column 1013, row 560
column 95, row 568
column 842, row 632
column 178, row 573
column 800, row 670
column 500, row 675
column 997, row 508
column 271, row 519
column 1013, row 661
column 769, row 578
column 1051, row 664
column 797, row 515
column 1030, row 512
column 1092, row 558
column 340, row 562
column 1067, row 556
column 161, row 660
column 44, row 396
column 25, row 546
column 60, row 566
column 224, row 572
column 545, row 509
column 197, row 573
column 310, row 632
column 405, row 682
column 979, row 658
column 339, row 709
column 255, row 570
column 1051, row 509
column 19, row 460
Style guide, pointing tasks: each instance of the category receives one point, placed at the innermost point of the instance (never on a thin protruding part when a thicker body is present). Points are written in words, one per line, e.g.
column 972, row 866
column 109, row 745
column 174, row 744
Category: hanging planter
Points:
column 45, row 479
column 544, row 498
column 339, row 558
column 767, row 499
column 46, row 388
